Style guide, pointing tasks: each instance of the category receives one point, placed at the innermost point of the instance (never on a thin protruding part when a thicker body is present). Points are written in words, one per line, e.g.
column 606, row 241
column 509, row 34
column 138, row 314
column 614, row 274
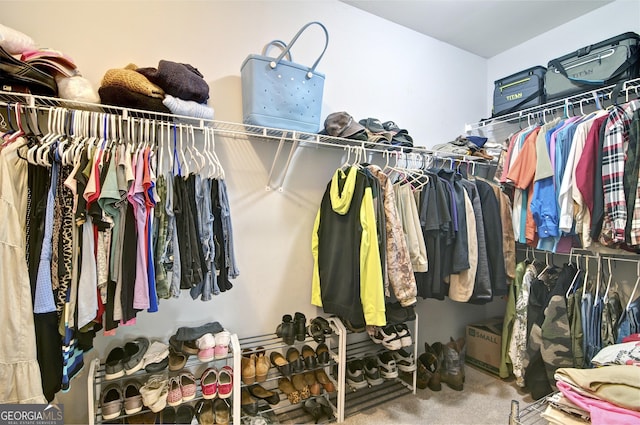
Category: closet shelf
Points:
column 221, row 127
column 576, row 101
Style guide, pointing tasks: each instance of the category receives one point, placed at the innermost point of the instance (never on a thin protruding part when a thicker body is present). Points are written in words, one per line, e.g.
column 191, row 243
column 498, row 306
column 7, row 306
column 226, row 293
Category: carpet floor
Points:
column 485, row 399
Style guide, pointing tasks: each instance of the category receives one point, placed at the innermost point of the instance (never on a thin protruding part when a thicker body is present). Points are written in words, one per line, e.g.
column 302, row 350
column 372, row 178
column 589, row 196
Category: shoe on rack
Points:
column 187, row 347
column 132, row 397
column 355, row 374
column 325, row 381
column 387, row 364
column 300, row 326
column 404, row 360
column 114, row 365
column 174, row 397
column 286, row 330
column 300, row 384
column 166, row 416
column 248, row 363
column 184, row 414
column 134, row 352
column 371, row 371
column 221, row 410
column 387, row 337
column 295, row 360
column 206, row 344
column 204, row 412
column 177, row 359
column 286, row 386
column 111, row 401
column 309, row 358
column 248, row 404
column 262, row 365
column 318, row 328
column 155, row 392
column 405, row 336
column 225, row 382
column 280, row 363
column 221, row 349
column 258, row 391
column 209, row 383
column 322, row 354
column 312, row 407
column 188, row 386
column 327, row 409
column 156, row 358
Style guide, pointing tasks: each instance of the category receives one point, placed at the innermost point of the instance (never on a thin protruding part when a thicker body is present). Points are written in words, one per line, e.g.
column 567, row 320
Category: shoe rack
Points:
column 360, row 345
column 96, row 381
column 284, row 411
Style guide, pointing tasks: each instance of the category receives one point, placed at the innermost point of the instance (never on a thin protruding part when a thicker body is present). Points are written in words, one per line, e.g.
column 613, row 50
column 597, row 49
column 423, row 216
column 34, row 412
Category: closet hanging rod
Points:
column 226, row 128
column 601, row 93
column 591, row 255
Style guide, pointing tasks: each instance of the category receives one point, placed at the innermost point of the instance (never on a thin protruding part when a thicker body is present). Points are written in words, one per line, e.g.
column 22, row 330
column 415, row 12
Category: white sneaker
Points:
column 388, row 337
column 387, row 364
column 404, row 360
column 404, row 334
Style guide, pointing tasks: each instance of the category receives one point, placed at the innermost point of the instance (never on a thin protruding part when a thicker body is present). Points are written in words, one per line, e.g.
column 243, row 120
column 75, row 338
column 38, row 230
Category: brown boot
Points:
column 423, row 375
column 450, row 373
column 435, row 365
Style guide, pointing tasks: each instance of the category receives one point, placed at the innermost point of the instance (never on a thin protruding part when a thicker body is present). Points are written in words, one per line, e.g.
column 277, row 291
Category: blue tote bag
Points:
column 279, row 93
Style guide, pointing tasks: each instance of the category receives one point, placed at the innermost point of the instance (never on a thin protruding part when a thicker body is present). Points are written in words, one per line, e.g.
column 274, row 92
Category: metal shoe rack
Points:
column 284, row 411
column 359, row 345
column 96, row 380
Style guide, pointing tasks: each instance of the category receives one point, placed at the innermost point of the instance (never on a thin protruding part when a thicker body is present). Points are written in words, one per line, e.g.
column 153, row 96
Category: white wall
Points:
column 374, row 68
column 608, row 21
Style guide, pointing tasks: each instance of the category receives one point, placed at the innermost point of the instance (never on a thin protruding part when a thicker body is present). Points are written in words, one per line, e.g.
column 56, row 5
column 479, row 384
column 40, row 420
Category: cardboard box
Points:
column 484, row 342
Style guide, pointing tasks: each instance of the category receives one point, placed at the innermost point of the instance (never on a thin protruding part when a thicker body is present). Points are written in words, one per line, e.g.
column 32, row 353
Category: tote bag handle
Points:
column 277, row 43
column 275, row 63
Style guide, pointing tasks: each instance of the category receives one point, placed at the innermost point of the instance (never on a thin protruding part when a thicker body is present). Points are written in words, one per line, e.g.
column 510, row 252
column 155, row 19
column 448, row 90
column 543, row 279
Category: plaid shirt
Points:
column 614, row 148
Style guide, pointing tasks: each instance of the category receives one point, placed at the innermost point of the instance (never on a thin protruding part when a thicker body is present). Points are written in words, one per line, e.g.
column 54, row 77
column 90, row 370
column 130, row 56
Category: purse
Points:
column 279, row 93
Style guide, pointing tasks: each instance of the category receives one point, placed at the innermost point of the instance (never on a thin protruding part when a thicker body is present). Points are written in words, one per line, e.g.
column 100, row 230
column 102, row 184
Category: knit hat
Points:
column 131, row 80
column 178, row 79
column 120, row 96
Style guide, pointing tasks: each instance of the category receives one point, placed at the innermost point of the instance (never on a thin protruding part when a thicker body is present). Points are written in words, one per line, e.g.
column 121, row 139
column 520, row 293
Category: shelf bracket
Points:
column 293, row 148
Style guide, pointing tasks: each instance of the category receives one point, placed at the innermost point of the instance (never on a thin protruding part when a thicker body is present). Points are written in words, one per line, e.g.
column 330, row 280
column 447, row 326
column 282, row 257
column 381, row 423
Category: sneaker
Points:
column 209, row 383
column 372, row 372
column 388, row 367
column 134, row 352
column 111, row 402
column 114, row 365
column 405, row 336
column 355, row 375
column 206, row 350
column 404, row 360
column 387, row 337
column 188, row 386
column 225, row 382
column 154, row 393
column 174, row 396
column 221, row 349
column 132, row 398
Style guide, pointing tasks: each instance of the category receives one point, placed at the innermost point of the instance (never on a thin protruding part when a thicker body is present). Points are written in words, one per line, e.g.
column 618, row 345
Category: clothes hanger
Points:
column 547, row 266
column 575, row 277
column 220, row 175
column 586, row 277
column 635, row 287
column 605, row 298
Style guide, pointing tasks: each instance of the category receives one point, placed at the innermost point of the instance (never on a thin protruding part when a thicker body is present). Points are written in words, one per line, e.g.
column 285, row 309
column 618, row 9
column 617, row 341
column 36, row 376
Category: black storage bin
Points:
column 595, row 66
column 521, row 90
